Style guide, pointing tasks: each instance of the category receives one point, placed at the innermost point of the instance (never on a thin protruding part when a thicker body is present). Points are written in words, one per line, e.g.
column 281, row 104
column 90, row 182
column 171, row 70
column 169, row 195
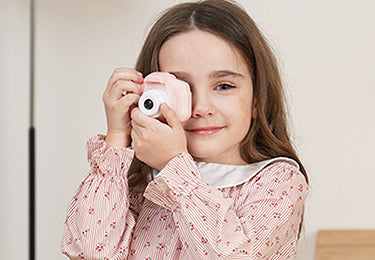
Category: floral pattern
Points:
column 178, row 216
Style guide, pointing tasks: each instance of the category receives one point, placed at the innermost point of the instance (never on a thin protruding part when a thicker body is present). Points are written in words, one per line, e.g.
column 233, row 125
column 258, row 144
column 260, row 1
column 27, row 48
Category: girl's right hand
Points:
column 118, row 106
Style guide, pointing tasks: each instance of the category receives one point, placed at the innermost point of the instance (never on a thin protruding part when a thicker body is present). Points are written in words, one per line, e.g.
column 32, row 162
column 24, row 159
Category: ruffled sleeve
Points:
column 242, row 222
column 99, row 223
column 207, row 224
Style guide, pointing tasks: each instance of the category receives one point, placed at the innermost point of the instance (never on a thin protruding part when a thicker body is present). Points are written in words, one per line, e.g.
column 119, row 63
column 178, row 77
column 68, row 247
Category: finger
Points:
column 141, row 119
column 170, row 115
column 124, row 85
column 115, row 94
column 125, row 74
column 137, row 127
column 137, row 137
column 134, row 137
column 130, row 100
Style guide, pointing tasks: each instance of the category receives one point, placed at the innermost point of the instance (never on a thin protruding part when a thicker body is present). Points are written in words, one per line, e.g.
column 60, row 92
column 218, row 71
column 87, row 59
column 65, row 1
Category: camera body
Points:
column 163, row 87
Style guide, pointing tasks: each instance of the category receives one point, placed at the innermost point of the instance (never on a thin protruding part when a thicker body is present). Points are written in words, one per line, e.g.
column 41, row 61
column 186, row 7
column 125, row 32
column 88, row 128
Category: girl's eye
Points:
column 224, row 87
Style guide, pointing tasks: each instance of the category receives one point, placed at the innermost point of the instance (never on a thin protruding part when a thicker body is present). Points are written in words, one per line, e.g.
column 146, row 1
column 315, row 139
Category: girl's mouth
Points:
column 205, row 130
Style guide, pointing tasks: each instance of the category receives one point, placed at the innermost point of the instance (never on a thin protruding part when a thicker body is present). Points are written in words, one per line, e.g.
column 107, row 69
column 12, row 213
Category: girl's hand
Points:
column 156, row 143
column 118, row 106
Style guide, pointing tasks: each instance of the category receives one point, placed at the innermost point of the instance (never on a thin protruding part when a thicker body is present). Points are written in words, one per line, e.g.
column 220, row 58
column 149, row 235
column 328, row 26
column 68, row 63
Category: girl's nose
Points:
column 202, row 106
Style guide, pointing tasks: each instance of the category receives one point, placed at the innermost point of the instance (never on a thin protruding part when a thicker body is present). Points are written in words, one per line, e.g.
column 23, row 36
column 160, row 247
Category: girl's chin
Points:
column 215, row 154
column 205, row 154
column 199, row 155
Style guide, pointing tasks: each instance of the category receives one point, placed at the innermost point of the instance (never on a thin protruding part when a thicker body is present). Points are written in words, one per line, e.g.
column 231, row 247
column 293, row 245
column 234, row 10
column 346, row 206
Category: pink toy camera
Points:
column 163, row 87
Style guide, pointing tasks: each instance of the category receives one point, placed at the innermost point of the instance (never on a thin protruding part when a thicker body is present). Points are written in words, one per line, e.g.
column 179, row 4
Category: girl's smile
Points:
column 204, row 130
column 222, row 93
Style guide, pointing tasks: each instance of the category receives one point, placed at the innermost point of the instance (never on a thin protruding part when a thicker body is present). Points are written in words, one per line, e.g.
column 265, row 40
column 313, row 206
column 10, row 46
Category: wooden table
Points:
column 345, row 245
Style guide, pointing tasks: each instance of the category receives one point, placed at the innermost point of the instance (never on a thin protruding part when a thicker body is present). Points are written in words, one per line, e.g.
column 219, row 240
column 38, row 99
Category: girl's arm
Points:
column 248, row 224
column 270, row 210
column 99, row 222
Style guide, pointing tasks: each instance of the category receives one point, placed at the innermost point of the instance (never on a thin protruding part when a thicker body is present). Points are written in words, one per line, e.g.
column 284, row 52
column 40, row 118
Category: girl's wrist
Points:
column 117, row 140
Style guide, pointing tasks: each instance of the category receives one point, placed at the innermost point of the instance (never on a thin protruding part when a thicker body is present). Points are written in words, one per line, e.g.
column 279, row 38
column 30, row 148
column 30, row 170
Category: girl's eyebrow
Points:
column 225, row 73
column 214, row 74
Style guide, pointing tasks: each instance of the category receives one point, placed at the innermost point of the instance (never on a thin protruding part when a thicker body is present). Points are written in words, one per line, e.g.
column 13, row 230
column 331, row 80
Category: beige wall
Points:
column 14, row 80
column 327, row 58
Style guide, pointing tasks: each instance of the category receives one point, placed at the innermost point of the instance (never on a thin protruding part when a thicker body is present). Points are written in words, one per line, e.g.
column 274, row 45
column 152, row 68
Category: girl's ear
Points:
column 254, row 111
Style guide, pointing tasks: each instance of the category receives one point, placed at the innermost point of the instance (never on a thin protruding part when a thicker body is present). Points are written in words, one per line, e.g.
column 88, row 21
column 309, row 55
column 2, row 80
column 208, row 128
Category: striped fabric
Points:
column 178, row 216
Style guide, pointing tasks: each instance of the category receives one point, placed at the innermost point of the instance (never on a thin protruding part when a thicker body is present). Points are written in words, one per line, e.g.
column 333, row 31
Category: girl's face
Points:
column 222, row 93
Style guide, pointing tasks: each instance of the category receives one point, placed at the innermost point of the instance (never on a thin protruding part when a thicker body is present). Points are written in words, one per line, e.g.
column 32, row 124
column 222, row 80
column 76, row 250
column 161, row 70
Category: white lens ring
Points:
column 150, row 102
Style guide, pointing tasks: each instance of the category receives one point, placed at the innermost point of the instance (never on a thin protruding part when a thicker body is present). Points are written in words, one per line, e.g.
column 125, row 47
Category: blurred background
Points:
column 326, row 54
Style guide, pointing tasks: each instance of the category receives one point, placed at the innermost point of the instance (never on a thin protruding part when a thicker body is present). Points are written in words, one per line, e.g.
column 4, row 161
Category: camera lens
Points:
column 150, row 101
column 148, row 104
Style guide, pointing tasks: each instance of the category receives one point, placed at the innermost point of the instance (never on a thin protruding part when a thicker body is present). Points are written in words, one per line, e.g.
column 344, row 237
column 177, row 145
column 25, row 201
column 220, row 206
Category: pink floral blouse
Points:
column 179, row 216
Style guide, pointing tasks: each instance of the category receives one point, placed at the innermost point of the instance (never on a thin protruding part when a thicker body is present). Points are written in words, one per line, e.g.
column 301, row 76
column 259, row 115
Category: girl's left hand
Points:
column 156, row 143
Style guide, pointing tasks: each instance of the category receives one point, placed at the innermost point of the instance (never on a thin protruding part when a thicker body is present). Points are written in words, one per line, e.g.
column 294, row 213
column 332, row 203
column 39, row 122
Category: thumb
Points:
column 170, row 116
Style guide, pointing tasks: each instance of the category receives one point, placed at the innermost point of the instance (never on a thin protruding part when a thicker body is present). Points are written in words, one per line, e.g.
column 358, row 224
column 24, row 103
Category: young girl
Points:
column 225, row 184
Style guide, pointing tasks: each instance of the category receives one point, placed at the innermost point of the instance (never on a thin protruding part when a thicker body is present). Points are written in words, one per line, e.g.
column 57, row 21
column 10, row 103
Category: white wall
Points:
column 326, row 54
column 14, row 64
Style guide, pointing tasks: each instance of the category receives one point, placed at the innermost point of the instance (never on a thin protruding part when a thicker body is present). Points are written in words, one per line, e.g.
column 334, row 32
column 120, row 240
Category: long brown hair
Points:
column 268, row 136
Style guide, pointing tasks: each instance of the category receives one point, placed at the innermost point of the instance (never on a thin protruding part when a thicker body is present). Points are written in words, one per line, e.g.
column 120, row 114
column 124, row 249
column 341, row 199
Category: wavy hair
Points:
column 268, row 136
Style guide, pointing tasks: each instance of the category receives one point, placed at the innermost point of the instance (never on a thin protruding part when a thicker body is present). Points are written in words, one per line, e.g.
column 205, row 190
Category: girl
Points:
column 226, row 184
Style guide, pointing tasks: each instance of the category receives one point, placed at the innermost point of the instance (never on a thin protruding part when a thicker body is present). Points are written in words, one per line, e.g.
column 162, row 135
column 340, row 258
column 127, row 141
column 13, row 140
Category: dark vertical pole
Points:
column 32, row 139
column 32, row 193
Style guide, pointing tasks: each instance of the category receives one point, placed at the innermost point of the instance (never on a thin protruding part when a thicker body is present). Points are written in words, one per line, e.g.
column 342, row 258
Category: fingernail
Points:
column 165, row 107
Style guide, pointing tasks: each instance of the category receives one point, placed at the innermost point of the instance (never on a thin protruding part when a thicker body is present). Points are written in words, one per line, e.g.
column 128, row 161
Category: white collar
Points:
column 226, row 175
